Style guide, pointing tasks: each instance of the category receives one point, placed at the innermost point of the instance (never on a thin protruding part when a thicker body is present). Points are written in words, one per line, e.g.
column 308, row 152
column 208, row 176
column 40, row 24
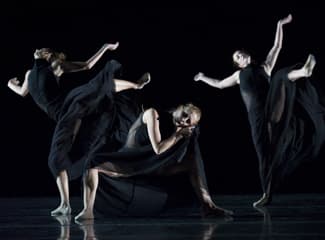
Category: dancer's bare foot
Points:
column 309, row 65
column 63, row 209
column 211, row 210
column 85, row 214
column 144, row 80
column 112, row 46
column 264, row 200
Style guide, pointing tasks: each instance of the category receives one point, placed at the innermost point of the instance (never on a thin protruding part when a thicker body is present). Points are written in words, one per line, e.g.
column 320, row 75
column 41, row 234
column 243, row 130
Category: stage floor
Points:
column 294, row 216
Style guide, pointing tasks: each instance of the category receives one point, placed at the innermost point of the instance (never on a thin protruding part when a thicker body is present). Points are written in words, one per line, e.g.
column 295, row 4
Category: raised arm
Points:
column 275, row 50
column 75, row 66
column 151, row 119
column 22, row 90
column 224, row 83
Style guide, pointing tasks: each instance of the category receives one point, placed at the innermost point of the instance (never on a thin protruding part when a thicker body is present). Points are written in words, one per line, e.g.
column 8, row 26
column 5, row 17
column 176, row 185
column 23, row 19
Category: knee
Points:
column 91, row 178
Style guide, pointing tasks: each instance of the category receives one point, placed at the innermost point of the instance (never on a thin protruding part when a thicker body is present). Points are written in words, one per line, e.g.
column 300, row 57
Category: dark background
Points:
column 173, row 44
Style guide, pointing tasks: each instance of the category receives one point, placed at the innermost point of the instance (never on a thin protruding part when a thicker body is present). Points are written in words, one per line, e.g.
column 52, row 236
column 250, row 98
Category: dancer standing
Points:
column 69, row 108
column 278, row 128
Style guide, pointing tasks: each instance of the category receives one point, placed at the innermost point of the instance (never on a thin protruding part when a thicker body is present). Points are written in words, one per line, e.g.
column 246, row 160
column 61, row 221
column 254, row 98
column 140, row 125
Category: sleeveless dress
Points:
column 91, row 102
column 45, row 90
column 135, row 181
column 299, row 132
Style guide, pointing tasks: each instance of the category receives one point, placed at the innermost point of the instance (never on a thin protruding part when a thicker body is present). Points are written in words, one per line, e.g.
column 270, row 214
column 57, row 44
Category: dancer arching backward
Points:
column 149, row 152
column 69, row 108
column 280, row 106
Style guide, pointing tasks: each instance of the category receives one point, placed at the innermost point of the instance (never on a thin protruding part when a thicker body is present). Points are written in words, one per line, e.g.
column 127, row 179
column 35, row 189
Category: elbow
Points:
column 87, row 67
column 220, row 86
column 279, row 46
column 158, row 150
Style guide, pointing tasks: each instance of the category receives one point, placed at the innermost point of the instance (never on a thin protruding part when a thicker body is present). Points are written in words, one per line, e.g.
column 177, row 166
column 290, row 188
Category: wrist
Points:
column 177, row 136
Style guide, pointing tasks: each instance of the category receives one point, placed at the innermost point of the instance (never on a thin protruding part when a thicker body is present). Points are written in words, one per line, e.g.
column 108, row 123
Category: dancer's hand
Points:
column 286, row 20
column 14, row 81
column 185, row 131
column 198, row 76
column 111, row 46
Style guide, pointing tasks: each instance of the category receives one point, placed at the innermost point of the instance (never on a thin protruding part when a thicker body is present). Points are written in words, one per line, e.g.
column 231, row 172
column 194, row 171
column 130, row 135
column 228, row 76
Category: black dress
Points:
column 45, row 89
column 286, row 119
column 92, row 102
column 135, row 181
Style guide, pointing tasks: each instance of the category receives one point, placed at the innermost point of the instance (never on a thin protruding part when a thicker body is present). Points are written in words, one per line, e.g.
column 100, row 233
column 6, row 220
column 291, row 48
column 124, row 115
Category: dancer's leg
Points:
column 121, row 85
column 62, row 182
column 305, row 71
column 90, row 185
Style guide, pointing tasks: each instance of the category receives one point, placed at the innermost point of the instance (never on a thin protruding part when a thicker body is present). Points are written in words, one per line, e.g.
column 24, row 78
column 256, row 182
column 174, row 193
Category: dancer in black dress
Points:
column 286, row 118
column 129, row 173
column 68, row 108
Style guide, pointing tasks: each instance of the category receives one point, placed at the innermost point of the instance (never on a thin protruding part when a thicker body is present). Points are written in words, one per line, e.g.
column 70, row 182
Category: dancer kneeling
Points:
column 158, row 144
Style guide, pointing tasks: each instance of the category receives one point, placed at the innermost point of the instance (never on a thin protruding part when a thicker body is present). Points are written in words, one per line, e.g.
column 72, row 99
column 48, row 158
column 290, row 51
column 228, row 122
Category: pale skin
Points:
column 61, row 67
column 72, row 66
column 242, row 60
column 184, row 127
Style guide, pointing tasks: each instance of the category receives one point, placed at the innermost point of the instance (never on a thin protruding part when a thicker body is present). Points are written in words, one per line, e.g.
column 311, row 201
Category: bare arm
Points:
column 230, row 81
column 150, row 118
column 275, row 50
column 80, row 66
column 22, row 90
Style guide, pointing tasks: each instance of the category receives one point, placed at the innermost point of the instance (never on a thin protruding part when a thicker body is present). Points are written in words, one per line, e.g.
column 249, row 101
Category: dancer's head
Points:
column 43, row 53
column 241, row 58
column 56, row 60
column 49, row 55
column 186, row 115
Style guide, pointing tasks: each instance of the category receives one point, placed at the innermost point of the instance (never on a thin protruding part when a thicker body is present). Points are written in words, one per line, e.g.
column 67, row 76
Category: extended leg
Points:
column 121, row 85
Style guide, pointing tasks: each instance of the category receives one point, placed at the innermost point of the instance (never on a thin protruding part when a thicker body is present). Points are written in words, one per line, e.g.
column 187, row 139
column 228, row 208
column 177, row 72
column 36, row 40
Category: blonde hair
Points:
column 188, row 109
column 58, row 56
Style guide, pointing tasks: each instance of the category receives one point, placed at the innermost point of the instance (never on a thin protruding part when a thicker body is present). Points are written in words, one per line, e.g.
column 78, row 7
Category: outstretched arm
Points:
column 74, row 66
column 224, row 83
column 275, row 50
column 150, row 118
column 22, row 90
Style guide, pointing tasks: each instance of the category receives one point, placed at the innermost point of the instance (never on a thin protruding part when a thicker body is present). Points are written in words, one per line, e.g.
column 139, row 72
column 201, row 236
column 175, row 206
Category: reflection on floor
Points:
column 295, row 216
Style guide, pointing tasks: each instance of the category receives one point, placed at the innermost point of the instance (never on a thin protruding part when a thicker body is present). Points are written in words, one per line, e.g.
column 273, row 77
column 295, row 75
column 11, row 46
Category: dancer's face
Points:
column 186, row 117
column 241, row 59
column 43, row 53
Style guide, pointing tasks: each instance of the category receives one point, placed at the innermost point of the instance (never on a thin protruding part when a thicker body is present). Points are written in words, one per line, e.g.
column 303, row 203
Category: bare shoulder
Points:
column 149, row 114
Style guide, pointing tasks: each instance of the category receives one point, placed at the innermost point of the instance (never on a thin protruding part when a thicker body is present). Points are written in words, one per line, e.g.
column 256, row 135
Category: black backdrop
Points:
column 173, row 44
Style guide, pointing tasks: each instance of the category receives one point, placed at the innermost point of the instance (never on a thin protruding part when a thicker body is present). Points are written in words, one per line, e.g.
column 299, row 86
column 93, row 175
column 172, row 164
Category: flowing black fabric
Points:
column 134, row 180
column 286, row 119
column 45, row 89
column 93, row 104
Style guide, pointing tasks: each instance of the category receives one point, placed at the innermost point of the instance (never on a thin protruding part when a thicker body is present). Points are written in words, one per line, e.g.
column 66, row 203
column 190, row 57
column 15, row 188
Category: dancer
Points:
column 278, row 127
column 148, row 153
column 69, row 108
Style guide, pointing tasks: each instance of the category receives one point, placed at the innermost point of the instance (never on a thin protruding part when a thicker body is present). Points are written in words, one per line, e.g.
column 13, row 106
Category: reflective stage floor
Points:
column 294, row 216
